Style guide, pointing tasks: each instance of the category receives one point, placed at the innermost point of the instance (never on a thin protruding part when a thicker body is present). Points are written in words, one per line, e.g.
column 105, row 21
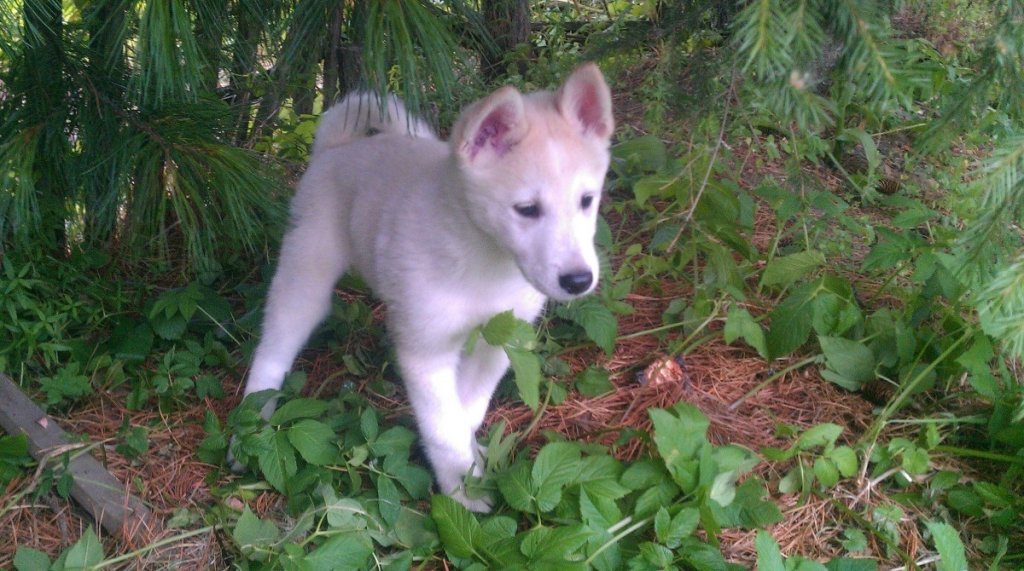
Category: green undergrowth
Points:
column 859, row 226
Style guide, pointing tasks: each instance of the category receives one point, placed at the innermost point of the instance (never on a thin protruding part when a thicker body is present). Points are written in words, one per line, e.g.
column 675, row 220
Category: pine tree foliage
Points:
column 991, row 258
column 791, row 46
column 129, row 125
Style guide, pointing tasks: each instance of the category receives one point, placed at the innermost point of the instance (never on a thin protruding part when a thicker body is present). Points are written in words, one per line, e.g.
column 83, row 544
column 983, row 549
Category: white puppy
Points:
column 447, row 235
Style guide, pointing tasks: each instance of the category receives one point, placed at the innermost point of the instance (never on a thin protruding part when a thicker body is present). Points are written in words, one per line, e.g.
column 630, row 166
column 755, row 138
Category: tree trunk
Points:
column 243, row 68
column 47, row 108
column 508, row 22
column 331, row 58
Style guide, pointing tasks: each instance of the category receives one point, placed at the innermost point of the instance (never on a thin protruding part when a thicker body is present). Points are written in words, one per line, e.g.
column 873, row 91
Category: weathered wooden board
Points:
column 95, row 489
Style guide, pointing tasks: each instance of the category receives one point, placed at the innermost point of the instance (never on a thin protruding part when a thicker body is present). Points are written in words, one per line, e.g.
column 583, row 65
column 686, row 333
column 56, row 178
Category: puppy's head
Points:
column 533, row 167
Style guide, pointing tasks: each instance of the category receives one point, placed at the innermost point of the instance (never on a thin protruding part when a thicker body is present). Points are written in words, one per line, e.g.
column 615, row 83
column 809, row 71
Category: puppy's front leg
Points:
column 445, row 428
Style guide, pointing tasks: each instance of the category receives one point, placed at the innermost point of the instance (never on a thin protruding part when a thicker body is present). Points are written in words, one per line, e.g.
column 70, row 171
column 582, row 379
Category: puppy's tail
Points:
column 362, row 114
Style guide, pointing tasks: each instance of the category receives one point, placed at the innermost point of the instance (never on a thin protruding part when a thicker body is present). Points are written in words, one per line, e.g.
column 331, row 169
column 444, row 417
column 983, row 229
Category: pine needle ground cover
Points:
column 804, row 355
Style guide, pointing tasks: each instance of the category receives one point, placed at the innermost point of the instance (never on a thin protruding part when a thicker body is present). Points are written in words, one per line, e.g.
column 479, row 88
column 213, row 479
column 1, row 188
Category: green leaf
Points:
column 390, row 503
column 679, row 438
column 395, row 440
column 787, row 270
column 845, row 460
column 818, row 436
column 598, row 322
column 458, row 529
column 277, row 461
column 856, row 135
column 251, row 533
column 516, row 487
column 826, row 472
column 594, row 381
column 556, row 465
column 298, row 408
column 526, row 374
column 342, row 552
column 769, row 557
column 950, row 547
column 85, row 553
column 655, row 187
column 645, row 154
column 672, row 531
column 499, row 330
column 791, row 323
column 315, row 441
column 740, row 324
column 851, row 363
column 28, row 559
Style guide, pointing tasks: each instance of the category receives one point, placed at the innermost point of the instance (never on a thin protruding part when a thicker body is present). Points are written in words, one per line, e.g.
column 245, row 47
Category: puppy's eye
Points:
column 528, row 210
column 586, row 201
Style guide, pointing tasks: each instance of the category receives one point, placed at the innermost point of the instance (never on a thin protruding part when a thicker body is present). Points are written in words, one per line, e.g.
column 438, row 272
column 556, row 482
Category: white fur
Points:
column 434, row 230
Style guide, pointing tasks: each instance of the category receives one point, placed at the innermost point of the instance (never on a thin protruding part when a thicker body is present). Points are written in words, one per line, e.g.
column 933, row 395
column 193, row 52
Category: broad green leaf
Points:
column 791, row 322
column 834, row 314
column 389, row 502
column 851, row 362
column 368, row 424
column 28, row 559
column 516, row 487
column 85, row 553
column 751, row 507
column 298, row 408
column 950, row 547
column 740, row 324
column 342, row 552
column 556, row 465
column 645, row 154
column 851, row 564
column 277, row 462
column 594, row 381
column 395, row 440
column 845, row 459
column 654, row 497
column 787, row 270
column 458, row 529
column 867, row 143
column 499, row 329
column 818, row 436
column 679, row 439
column 826, row 472
column 556, row 546
column 600, row 476
column 598, row 322
column 769, row 556
column 656, row 187
column 251, row 533
column 315, row 441
column 527, row 375
column 671, row 532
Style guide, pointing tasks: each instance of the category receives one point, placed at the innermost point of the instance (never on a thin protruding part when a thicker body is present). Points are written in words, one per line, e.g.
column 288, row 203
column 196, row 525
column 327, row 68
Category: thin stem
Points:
column 798, row 365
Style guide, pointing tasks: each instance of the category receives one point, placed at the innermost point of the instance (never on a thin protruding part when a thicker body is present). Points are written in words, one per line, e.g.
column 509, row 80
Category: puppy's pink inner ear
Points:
column 493, row 133
column 590, row 111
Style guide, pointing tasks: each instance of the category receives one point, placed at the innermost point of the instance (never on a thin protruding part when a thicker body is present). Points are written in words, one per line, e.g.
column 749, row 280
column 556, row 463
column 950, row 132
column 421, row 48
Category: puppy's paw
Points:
column 480, row 504
column 233, row 464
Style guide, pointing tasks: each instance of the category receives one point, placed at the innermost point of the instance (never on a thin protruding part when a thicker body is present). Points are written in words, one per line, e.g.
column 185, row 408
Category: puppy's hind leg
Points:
column 299, row 298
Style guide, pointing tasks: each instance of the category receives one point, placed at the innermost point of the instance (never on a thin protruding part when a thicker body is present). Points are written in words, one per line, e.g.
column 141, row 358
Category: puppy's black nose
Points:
column 576, row 282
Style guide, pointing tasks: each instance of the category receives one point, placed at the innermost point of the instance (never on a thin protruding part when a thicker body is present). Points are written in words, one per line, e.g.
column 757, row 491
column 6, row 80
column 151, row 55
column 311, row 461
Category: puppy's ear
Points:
column 585, row 101
column 490, row 127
